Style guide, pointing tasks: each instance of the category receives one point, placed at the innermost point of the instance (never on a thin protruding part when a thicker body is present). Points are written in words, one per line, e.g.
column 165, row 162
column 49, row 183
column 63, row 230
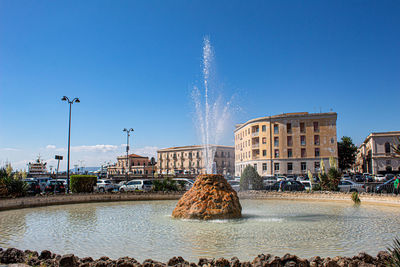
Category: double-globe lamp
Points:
column 75, row 100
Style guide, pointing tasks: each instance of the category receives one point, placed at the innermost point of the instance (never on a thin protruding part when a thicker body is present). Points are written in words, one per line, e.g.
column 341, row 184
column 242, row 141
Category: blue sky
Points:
column 134, row 64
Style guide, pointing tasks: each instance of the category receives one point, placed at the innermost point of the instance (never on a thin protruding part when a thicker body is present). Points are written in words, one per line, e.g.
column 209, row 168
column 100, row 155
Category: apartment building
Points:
column 190, row 159
column 375, row 155
column 290, row 143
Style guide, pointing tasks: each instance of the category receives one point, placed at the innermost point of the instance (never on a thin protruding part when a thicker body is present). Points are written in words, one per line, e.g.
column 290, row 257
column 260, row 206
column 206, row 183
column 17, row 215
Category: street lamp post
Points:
column 127, row 150
column 70, row 102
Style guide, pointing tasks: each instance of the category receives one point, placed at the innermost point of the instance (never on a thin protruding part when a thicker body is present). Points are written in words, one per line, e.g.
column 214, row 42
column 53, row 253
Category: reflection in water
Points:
column 146, row 230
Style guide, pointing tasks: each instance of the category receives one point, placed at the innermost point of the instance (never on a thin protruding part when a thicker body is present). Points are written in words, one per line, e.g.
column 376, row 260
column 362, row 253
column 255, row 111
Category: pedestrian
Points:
column 396, row 185
column 280, row 186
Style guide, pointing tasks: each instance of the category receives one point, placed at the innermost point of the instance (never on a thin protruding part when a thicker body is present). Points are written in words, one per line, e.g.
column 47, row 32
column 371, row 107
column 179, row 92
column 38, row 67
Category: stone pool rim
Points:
column 50, row 200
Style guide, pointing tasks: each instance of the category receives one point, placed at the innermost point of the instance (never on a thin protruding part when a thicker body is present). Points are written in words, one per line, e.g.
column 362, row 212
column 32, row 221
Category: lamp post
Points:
column 70, row 102
column 127, row 150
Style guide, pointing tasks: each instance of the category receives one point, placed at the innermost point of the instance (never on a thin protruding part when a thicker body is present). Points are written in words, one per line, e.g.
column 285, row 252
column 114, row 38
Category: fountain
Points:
column 211, row 196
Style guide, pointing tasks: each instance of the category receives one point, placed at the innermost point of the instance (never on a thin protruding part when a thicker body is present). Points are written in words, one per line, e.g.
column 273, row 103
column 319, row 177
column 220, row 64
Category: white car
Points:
column 379, row 178
column 104, row 186
column 188, row 182
column 307, row 184
column 350, row 186
column 137, row 185
column 269, row 180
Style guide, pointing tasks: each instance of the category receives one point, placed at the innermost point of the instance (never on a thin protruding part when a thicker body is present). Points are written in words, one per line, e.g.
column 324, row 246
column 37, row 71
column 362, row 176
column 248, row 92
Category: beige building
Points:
column 375, row 155
column 134, row 165
column 290, row 143
column 190, row 160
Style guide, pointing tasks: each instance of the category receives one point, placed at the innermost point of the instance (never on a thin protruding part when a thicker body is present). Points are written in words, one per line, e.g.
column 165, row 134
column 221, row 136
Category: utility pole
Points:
column 127, row 151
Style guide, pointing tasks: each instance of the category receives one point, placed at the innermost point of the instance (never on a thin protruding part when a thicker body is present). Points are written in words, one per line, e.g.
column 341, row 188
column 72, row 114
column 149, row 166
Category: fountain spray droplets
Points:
column 211, row 114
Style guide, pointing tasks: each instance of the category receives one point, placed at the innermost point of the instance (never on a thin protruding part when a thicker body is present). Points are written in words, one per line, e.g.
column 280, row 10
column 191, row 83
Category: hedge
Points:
column 82, row 183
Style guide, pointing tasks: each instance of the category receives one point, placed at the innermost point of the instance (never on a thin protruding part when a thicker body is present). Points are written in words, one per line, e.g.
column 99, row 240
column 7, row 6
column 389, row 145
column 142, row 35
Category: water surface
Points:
column 144, row 229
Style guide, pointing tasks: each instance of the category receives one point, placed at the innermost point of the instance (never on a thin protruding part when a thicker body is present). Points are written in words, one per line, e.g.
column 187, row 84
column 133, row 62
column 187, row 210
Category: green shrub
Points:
column 356, row 199
column 11, row 183
column 165, row 185
column 82, row 183
column 394, row 251
column 250, row 179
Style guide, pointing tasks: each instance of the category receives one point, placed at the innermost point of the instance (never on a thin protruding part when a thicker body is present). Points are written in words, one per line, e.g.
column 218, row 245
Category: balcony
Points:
column 255, row 146
column 255, row 134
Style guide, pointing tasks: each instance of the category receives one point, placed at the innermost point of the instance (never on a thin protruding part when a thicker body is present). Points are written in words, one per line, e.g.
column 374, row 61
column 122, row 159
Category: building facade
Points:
column 132, row 165
column 190, row 160
column 291, row 143
column 375, row 155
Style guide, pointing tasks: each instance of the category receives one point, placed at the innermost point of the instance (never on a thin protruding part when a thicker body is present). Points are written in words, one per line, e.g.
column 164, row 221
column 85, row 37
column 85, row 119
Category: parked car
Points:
column 54, row 186
column 368, row 178
column 286, row 186
column 280, row 178
column 346, row 177
column 104, row 186
column 188, row 182
column 307, row 185
column 302, row 178
column 290, row 177
column 33, row 187
column 269, row 180
column 386, row 187
column 42, row 182
column 358, row 178
column 379, row 178
column 118, row 186
column 235, row 185
column 389, row 176
column 137, row 185
column 350, row 186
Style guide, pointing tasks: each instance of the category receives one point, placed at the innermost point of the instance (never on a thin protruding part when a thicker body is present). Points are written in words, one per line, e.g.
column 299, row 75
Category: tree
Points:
column 396, row 146
column 250, row 179
column 346, row 153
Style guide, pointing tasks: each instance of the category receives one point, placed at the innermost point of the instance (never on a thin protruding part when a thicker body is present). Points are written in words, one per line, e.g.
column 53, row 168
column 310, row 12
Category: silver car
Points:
column 137, row 185
column 350, row 186
column 104, row 186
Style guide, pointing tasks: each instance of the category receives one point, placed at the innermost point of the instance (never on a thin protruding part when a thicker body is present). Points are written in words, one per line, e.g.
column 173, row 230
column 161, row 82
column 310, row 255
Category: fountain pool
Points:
column 145, row 229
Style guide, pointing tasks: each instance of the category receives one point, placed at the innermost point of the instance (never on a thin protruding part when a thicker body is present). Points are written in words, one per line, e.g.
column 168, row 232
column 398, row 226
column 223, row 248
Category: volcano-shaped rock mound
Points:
column 211, row 197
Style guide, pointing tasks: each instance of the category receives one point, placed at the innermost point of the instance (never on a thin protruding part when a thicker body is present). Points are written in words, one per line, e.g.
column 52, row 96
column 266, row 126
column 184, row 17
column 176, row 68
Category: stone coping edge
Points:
column 48, row 200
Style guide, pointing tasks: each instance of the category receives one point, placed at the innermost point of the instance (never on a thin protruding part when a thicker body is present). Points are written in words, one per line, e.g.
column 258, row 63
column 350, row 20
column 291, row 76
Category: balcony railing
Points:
column 255, row 146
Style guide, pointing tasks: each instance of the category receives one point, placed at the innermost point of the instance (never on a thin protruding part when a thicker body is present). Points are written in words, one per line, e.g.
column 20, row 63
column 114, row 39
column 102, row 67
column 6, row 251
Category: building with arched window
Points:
column 375, row 155
column 135, row 165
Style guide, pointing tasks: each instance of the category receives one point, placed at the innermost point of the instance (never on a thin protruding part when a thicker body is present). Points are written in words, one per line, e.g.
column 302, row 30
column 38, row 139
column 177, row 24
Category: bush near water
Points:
column 82, row 183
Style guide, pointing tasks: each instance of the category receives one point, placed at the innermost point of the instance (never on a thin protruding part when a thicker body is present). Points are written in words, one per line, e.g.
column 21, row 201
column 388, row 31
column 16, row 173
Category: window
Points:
column 303, row 166
column 289, row 128
column 289, row 153
column 276, row 128
column 316, row 140
column 264, row 166
column 264, row 153
column 290, row 166
column 276, row 141
column 264, row 140
column 387, row 148
column 316, row 166
column 255, row 166
column 264, row 128
column 302, row 140
column 303, row 153
column 289, row 141
column 317, row 152
column 388, row 162
column 276, row 153
column 316, row 127
column 302, row 127
column 276, row 166
column 332, row 140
